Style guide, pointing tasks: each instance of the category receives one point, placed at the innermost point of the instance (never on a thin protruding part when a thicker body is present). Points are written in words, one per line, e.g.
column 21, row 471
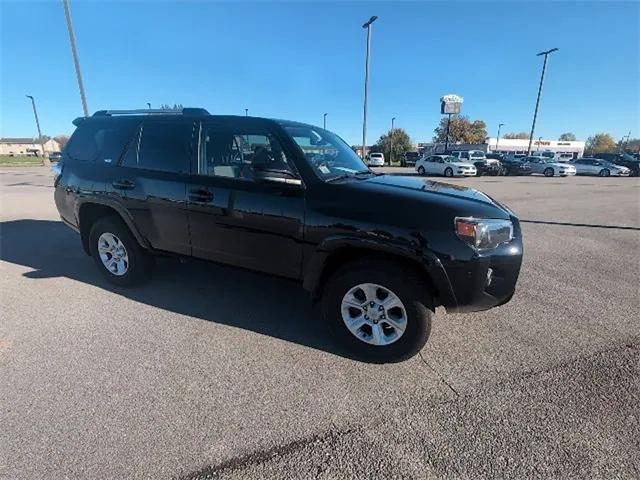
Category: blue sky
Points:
column 297, row 60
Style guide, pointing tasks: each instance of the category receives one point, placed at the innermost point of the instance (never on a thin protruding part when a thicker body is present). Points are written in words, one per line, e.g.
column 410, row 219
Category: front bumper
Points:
column 484, row 281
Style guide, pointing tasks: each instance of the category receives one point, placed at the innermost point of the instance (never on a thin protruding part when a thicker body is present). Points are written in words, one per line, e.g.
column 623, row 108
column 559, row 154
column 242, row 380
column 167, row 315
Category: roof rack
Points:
column 149, row 111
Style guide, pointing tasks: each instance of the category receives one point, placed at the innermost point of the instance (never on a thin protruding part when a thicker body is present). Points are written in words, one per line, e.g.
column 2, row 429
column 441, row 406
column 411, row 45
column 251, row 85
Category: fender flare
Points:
column 425, row 260
column 119, row 209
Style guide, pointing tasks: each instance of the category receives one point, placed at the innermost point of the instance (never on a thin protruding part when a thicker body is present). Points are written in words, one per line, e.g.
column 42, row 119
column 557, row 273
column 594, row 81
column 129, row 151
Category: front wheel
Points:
column 604, row 172
column 421, row 170
column 448, row 172
column 116, row 252
column 548, row 172
column 378, row 310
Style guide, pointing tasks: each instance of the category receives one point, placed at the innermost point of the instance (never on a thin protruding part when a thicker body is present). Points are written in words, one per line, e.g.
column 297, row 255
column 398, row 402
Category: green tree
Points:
column 401, row 144
column 461, row 130
column 601, row 143
column 519, row 136
column 567, row 137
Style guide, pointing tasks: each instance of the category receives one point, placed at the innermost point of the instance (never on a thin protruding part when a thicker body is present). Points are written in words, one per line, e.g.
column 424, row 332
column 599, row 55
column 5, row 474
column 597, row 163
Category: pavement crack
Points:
column 262, row 456
column 442, row 379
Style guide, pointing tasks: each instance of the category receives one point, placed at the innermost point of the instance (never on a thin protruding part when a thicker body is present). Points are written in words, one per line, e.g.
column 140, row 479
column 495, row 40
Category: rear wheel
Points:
column 421, row 170
column 448, row 172
column 378, row 310
column 548, row 172
column 604, row 172
column 116, row 252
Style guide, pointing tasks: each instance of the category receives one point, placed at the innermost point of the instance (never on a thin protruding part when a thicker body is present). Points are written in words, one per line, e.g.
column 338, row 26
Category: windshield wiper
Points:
column 339, row 177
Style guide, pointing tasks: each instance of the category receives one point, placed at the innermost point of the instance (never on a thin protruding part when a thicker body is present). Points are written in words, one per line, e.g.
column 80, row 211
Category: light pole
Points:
column 324, row 121
column 500, row 125
column 76, row 60
column 366, row 84
column 246, row 112
column 393, row 119
column 149, row 105
column 45, row 160
column 535, row 113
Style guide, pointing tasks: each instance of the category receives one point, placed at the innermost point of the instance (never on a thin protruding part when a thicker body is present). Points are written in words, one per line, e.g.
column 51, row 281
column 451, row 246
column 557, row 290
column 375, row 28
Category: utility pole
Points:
column 324, row 121
column 366, row 84
column 45, row 159
column 76, row 60
column 500, row 125
column 535, row 113
column 393, row 119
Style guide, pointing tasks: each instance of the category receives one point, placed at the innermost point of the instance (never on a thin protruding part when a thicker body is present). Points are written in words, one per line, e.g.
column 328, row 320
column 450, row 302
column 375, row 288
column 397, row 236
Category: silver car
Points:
column 602, row 168
column 550, row 168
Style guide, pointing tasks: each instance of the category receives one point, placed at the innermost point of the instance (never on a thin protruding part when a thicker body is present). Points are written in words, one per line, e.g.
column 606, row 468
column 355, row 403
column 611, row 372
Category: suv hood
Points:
column 419, row 184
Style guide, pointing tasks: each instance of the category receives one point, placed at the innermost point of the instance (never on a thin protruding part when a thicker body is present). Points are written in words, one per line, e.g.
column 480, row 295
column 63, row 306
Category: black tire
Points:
column 139, row 261
column 548, row 172
column 448, row 172
column 604, row 172
column 421, row 170
column 406, row 284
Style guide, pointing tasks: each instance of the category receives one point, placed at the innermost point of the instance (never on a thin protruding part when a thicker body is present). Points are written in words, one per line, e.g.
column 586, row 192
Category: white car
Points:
column 549, row 168
column 445, row 165
column 376, row 159
column 602, row 168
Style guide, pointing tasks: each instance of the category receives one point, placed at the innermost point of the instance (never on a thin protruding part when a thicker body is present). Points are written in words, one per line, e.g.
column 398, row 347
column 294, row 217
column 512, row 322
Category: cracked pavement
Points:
column 210, row 372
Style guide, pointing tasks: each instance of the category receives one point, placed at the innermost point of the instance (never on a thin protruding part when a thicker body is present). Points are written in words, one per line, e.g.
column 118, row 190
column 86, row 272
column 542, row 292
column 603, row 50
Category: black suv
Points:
column 378, row 252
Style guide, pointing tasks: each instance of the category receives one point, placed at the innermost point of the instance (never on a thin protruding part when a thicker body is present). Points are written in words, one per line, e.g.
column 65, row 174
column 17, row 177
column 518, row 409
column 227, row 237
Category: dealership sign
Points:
column 450, row 104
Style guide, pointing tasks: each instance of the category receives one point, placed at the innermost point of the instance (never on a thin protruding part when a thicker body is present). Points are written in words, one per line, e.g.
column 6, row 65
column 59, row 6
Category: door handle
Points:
column 201, row 195
column 123, row 184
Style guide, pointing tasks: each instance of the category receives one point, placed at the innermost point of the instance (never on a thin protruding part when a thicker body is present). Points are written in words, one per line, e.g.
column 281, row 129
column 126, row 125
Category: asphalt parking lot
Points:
column 210, row 372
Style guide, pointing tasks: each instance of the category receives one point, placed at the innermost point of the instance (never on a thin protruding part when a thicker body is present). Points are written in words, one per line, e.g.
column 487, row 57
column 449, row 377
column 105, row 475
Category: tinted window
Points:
column 164, row 146
column 236, row 153
column 464, row 155
column 102, row 141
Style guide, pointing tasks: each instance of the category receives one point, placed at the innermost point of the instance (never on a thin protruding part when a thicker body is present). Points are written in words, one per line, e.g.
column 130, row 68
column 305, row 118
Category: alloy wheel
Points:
column 374, row 314
column 113, row 254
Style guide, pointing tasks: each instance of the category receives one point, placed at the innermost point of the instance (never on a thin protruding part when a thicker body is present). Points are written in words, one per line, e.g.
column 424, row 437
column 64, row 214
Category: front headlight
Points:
column 484, row 233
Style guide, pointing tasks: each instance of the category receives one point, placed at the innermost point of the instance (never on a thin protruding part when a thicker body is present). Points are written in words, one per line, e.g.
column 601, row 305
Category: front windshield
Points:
column 327, row 153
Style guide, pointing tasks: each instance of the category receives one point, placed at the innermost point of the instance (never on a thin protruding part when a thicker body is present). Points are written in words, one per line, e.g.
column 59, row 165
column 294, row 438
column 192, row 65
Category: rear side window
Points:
column 164, row 146
column 100, row 141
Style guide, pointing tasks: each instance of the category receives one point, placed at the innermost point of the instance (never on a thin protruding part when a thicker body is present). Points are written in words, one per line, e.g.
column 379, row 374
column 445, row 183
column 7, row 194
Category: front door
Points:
column 236, row 218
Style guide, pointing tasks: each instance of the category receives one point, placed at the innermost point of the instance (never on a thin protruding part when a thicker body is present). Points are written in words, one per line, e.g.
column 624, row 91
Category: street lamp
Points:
column 76, row 60
column 535, row 113
column 366, row 84
column 149, row 105
column 45, row 160
column 500, row 125
column 246, row 112
column 324, row 121
column 393, row 119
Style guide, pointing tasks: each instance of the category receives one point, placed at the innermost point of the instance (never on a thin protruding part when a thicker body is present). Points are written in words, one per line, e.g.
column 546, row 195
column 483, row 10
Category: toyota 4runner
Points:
column 379, row 253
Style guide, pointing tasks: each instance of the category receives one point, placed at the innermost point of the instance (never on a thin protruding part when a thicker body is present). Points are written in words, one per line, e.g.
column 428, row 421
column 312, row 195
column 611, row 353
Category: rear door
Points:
column 152, row 179
column 236, row 218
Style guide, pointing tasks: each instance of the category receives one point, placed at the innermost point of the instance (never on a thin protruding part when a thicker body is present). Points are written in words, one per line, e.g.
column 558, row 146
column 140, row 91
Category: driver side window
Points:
column 239, row 153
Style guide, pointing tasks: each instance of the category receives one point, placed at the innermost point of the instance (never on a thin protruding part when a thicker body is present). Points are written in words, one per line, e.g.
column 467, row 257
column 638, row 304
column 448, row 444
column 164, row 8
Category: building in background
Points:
column 509, row 145
column 26, row 146
column 513, row 145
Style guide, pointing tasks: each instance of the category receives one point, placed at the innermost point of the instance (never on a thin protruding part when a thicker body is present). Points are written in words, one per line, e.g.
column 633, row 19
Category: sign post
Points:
column 450, row 105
